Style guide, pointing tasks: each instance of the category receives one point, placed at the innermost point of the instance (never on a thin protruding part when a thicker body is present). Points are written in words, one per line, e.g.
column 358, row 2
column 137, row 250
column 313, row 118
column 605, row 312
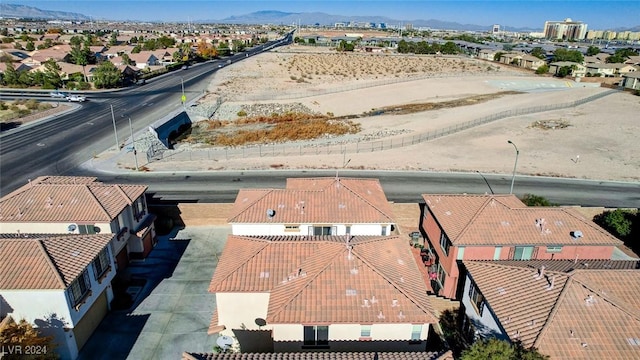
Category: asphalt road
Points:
column 56, row 147
column 399, row 186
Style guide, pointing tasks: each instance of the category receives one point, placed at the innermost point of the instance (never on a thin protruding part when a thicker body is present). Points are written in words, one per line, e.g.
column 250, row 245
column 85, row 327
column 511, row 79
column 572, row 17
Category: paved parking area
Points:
column 172, row 312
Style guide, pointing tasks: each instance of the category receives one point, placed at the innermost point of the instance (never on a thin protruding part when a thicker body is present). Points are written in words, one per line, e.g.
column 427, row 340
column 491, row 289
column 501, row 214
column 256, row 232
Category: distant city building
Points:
column 409, row 27
column 382, row 26
column 495, row 29
column 565, row 30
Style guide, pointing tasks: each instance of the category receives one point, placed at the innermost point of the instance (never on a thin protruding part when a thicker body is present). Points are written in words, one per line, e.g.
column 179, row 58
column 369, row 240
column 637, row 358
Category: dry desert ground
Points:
column 595, row 140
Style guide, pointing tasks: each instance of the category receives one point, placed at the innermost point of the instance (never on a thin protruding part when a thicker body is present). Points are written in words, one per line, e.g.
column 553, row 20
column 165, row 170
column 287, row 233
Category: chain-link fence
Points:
column 352, row 145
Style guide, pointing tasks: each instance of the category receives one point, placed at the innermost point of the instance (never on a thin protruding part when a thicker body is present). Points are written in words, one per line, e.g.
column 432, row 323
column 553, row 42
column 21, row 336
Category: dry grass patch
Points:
column 269, row 129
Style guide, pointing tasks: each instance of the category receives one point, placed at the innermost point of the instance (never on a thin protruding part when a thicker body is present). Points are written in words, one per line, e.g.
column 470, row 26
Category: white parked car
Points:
column 59, row 94
column 76, row 98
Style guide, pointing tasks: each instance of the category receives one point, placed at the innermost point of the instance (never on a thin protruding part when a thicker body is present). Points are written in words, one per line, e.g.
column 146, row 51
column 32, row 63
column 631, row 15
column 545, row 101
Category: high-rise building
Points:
column 565, row 30
column 495, row 29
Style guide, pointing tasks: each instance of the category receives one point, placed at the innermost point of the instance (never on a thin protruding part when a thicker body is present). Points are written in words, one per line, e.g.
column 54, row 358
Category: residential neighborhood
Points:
column 97, row 262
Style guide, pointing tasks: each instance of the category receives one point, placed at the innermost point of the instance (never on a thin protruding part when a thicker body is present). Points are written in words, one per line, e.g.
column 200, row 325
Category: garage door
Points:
column 91, row 320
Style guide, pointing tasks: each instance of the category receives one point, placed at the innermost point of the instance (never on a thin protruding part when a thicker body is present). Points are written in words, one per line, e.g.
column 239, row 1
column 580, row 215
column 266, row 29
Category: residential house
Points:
column 60, row 283
column 82, row 205
column 631, row 80
column 117, row 50
column 600, row 58
column 500, row 227
column 487, row 54
column 317, row 355
column 522, row 60
column 314, row 206
column 610, row 69
column 633, row 60
column 578, row 312
column 577, row 70
column 144, row 59
column 332, row 293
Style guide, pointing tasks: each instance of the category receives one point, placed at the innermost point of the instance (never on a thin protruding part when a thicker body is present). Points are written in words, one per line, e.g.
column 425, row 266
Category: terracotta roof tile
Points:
column 51, row 262
column 324, row 200
column 566, row 266
column 589, row 314
column 505, row 220
column 57, row 199
column 302, row 271
column 418, row 355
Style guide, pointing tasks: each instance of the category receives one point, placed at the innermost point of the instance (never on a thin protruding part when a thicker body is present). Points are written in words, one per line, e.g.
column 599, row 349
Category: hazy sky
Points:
column 597, row 14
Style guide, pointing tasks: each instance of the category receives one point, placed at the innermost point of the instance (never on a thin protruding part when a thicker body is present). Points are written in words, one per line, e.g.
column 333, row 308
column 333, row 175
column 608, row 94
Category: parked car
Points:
column 59, row 94
column 76, row 98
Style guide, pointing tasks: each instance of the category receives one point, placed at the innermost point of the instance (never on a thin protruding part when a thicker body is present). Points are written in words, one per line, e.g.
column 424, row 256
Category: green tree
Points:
column 543, row 69
column 113, row 39
column 136, row 49
column 165, row 41
column 507, row 47
column 618, row 222
column 126, row 60
column 345, row 46
column 30, row 46
column 497, row 56
column 535, row 200
column 10, row 77
column 150, row 45
column 106, row 76
column 593, row 50
column 538, row 52
column 450, row 48
column 23, row 334
column 79, row 53
column 494, row 349
column 564, row 71
column 562, row 54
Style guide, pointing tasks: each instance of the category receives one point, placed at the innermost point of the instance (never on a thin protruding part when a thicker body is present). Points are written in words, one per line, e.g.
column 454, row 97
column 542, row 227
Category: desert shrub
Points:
column 44, row 106
column 242, row 113
column 536, row 200
column 31, row 104
column 3, row 105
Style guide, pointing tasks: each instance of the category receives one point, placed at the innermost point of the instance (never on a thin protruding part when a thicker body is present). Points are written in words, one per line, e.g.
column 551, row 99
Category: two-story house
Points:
column 565, row 309
column 501, row 227
column 60, row 283
column 82, row 205
column 314, row 206
column 331, row 293
column 314, row 267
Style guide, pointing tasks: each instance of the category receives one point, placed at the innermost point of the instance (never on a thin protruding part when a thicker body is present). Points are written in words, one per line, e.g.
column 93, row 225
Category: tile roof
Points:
column 299, row 270
column 589, row 313
column 567, row 266
column 505, row 220
column 51, row 262
column 57, row 199
column 417, row 355
column 315, row 200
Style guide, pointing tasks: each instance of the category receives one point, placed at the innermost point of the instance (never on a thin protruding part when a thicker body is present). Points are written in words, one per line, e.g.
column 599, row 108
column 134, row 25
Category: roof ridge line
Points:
column 607, row 298
column 88, row 188
column 553, row 312
column 476, row 215
column 50, row 262
column 122, row 192
column 309, row 279
column 395, row 285
column 266, row 192
column 367, row 201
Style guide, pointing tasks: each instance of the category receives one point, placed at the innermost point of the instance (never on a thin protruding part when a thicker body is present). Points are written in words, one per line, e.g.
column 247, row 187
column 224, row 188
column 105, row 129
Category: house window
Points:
column 365, row 331
column 416, row 332
column 87, row 229
column 79, row 288
column 444, row 243
column 323, row 230
column 316, row 335
column 523, row 253
column 496, row 252
column 120, row 220
column 138, row 208
column 384, row 230
column 460, row 255
column 441, row 275
column 554, row 249
column 476, row 299
column 101, row 263
column 292, row 228
column 348, row 229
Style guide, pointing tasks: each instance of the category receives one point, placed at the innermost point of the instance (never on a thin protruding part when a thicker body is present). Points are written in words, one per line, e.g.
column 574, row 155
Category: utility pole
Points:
column 115, row 131
column 133, row 143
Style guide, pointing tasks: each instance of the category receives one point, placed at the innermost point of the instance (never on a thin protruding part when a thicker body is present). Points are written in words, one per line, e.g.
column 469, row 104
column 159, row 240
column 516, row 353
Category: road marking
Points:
column 40, row 144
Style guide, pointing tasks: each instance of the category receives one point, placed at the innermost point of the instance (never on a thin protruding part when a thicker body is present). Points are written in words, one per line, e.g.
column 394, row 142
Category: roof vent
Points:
column 365, row 303
column 576, row 234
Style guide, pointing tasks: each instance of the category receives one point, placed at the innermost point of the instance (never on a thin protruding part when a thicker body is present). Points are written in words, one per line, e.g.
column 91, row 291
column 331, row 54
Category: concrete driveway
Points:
column 172, row 311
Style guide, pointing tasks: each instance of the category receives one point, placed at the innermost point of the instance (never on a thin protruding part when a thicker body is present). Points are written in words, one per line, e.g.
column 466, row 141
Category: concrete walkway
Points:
column 172, row 312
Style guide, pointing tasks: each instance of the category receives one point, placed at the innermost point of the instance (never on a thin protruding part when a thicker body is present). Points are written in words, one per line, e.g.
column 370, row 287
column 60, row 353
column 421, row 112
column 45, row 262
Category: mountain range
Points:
column 276, row 18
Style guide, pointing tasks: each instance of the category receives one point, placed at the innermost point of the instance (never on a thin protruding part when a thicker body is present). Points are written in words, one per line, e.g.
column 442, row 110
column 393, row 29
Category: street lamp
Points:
column 513, row 177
